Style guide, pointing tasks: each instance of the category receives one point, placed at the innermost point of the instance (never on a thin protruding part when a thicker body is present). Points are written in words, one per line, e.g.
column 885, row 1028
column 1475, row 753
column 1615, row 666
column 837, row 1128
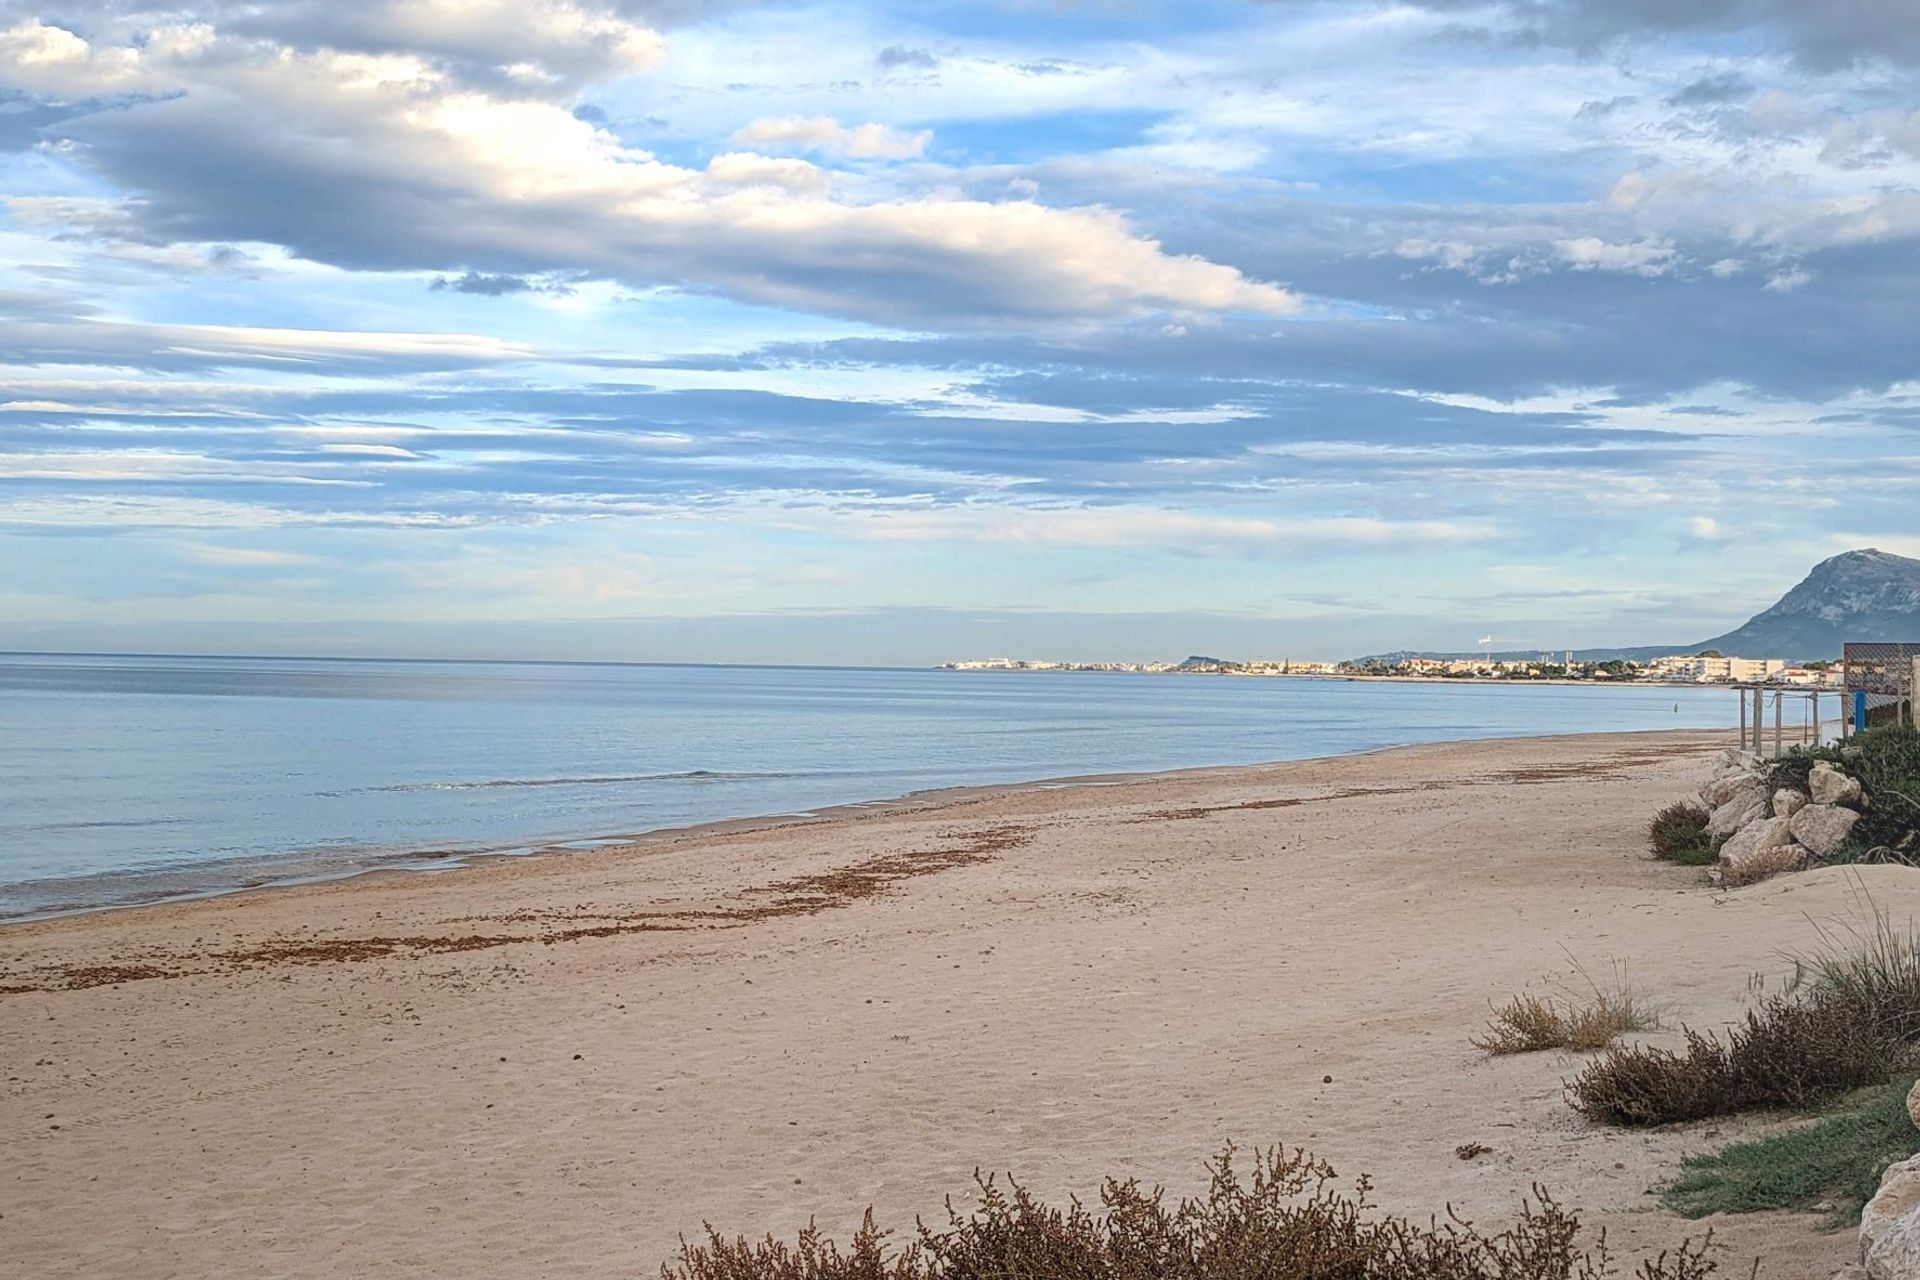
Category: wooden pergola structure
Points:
column 1753, row 727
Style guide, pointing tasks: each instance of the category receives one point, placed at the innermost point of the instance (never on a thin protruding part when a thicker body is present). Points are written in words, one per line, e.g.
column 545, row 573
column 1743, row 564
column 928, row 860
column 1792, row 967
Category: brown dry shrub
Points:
column 1786, row 1053
column 1678, row 833
column 1286, row 1221
column 1578, row 1021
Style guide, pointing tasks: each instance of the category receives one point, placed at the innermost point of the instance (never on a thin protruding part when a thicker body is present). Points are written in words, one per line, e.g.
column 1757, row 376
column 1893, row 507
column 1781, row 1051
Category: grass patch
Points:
column 1869, row 964
column 1284, row 1220
column 1529, row 1024
column 1678, row 833
column 1834, row 1163
column 1574, row 1020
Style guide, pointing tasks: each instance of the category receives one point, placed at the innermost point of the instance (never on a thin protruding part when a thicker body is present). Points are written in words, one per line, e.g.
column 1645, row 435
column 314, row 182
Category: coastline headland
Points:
column 565, row 1063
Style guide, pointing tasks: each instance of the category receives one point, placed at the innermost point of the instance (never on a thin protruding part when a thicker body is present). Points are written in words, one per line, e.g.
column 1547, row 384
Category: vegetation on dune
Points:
column 1578, row 1021
column 1833, row 1164
column 1871, row 966
column 1786, row 1053
column 1285, row 1220
column 1850, row 1018
column 1886, row 760
column 1678, row 833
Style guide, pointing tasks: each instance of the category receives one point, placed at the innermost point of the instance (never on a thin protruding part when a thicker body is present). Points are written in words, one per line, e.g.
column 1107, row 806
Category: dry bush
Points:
column 1867, row 963
column 1525, row 1024
column 1286, row 1221
column 1580, row 1021
column 1786, row 1053
column 1678, row 833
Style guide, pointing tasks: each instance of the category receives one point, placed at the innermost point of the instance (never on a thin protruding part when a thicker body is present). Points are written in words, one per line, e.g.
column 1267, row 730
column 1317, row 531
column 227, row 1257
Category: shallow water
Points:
column 127, row 778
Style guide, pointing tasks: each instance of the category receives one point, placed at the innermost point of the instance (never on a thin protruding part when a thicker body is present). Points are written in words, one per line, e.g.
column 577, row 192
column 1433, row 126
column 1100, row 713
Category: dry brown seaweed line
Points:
column 1284, row 802
column 803, row 895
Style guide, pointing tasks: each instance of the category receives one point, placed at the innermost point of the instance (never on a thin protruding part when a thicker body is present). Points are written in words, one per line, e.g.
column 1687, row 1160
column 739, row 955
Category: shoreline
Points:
column 577, row 1058
column 562, row 1064
column 440, row 860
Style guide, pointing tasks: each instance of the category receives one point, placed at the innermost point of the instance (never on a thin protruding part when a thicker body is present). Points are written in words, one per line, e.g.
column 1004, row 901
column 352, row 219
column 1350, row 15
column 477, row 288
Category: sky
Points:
column 676, row 330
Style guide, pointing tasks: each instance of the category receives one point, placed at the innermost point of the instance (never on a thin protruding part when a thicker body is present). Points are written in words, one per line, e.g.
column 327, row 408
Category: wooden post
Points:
column 1759, row 723
column 1813, row 709
column 1778, row 711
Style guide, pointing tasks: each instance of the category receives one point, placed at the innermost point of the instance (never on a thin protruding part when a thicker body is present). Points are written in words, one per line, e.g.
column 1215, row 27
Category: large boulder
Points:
column 1763, row 864
column 1899, row 1194
column 1787, row 802
column 1823, row 828
column 1890, row 1224
column 1913, row 1104
column 1722, row 787
column 1742, row 805
column 1897, row 1254
column 1830, row 786
column 1758, row 850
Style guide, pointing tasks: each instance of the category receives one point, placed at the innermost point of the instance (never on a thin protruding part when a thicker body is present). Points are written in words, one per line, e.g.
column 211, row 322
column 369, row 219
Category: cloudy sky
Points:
column 687, row 330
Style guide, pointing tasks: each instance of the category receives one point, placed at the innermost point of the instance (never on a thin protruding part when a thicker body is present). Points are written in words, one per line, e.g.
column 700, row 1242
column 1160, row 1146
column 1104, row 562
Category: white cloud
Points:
column 105, row 342
column 246, row 557
column 745, row 169
column 1132, row 526
column 825, row 134
column 1649, row 257
column 391, row 159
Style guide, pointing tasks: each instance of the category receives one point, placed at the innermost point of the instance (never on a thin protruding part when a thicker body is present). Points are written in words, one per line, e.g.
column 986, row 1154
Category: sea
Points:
column 127, row 779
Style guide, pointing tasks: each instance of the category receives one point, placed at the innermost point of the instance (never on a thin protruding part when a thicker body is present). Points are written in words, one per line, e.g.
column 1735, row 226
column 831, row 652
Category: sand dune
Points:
column 553, row 1067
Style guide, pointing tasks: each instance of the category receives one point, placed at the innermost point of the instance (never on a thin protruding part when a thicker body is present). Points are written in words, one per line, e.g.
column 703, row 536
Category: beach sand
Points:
column 555, row 1066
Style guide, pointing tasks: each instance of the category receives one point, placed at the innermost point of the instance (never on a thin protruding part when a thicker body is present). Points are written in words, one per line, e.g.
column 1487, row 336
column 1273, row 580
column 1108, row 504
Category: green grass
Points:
column 1834, row 1163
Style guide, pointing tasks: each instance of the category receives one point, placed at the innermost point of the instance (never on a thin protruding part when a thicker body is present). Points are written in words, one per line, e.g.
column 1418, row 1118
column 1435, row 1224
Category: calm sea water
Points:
column 129, row 778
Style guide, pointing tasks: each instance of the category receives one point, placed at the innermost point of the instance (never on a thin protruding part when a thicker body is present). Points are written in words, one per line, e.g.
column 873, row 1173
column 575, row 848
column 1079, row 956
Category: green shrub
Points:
column 1886, row 760
column 1678, row 833
column 1835, row 1163
column 1786, row 1053
column 1284, row 1222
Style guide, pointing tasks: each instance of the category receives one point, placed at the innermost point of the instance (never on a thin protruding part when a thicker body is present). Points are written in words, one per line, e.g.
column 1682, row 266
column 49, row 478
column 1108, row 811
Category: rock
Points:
column 1787, row 802
column 1725, row 786
column 1913, row 1104
column 1823, row 828
column 1742, row 805
column 1764, row 865
column 1897, row 1199
column 1830, row 786
column 1760, row 849
column 1896, row 1254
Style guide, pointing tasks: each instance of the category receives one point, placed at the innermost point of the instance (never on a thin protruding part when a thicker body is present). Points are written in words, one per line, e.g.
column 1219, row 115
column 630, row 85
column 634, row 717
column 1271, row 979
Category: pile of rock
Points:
column 1763, row 830
column 1890, row 1224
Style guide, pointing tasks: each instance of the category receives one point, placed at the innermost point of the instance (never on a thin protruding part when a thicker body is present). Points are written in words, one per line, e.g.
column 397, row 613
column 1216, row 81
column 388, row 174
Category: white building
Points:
column 1705, row 669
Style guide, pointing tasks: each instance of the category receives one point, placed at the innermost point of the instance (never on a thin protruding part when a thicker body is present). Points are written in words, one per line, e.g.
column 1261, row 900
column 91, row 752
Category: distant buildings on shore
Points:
column 1702, row 668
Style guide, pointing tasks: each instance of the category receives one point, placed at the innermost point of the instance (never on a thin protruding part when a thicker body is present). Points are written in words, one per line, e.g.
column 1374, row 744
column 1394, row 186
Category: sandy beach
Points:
column 556, row 1066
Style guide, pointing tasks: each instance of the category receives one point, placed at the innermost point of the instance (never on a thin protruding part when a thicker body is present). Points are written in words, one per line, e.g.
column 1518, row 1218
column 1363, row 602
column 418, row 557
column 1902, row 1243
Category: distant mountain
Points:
column 1859, row 596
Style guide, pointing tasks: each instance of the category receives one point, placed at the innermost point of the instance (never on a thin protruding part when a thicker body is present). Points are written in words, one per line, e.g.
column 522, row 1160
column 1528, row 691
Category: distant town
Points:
column 1708, row 667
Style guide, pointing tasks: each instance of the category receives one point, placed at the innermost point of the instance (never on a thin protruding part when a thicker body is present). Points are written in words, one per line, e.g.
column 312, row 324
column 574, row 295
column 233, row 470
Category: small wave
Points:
column 100, row 823
column 593, row 780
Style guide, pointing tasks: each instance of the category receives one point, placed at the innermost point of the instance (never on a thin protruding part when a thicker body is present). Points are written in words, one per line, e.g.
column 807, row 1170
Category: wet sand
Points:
column 555, row 1066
